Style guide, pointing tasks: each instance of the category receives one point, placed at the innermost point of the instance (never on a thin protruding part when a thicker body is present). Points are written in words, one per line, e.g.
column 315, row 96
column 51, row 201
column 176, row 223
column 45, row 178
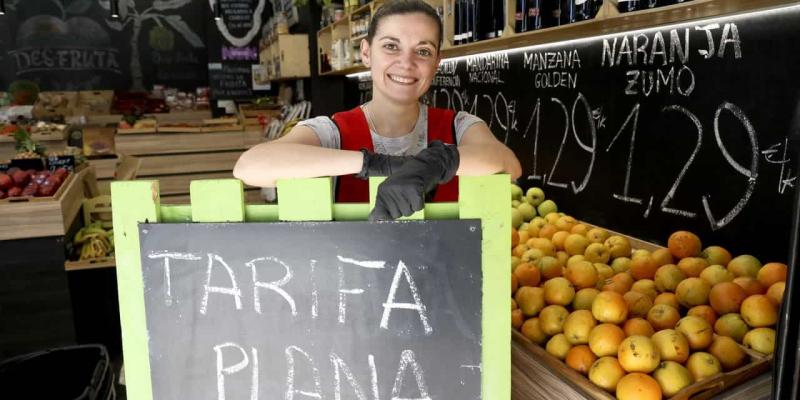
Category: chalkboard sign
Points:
column 315, row 310
column 233, row 46
column 653, row 131
column 56, row 162
column 76, row 45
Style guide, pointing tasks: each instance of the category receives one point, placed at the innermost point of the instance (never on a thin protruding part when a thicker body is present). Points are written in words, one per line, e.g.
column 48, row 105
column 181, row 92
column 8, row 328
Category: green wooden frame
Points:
column 485, row 198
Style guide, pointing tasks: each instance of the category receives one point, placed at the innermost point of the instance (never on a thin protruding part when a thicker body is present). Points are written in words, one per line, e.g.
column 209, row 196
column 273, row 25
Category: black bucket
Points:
column 69, row 373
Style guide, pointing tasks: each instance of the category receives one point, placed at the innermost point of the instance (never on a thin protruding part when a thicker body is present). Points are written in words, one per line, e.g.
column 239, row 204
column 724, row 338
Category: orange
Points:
column 533, row 331
column 559, row 291
column 566, row 223
column 775, row 292
column 620, row 283
column 559, row 238
column 705, row 312
column 547, row 231
column 716, row 255
column 728, row 352
column 606, row 373
column 580, row 229
column 580, row 358
column 696, row 330
column 514, row 284
column 662, row 257
column 759, row 311
column 726, row 297
column 750, row 285
column 771, row 273
column 692, row 266
column 684, row 244
column 637, row 326
column 514, row 238
column 638, row 354
column 693, row 292
column 582, row 274
column 610, row 307
column 671, row 345
column 662, row 316
column 517, row 318
column 669, row 299
column 643, row 267
column 745, row 265
column 638, row 304
column 668, row 277
column 527, row 274
column 638, row 386
column 604, row 339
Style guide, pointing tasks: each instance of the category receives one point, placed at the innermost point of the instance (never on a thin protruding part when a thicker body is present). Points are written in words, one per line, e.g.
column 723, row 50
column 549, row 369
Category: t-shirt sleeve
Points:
column 463, row 120
column 326, row 130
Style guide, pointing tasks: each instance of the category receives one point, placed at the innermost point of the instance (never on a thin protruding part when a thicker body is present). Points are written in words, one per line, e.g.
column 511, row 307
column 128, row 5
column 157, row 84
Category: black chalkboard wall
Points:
column 290, row 310
column 648, row 133
column 75, row 45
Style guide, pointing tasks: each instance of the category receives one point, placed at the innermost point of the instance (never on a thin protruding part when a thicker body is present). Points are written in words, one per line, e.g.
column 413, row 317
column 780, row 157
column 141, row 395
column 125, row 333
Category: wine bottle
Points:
column 567, row 11
column 458, row 31
column 551, row 13
column 583, row 10
column 476, row 21
column 521, row 16
column 627, row 5
column 534, row 18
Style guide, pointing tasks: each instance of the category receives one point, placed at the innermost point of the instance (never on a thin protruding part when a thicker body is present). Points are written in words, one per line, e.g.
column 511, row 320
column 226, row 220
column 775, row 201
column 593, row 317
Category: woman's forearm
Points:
column 487, row 159
column 265, row 163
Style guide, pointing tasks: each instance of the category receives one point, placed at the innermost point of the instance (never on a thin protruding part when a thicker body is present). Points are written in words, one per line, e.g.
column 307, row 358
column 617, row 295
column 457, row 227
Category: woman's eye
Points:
column 390, row 46
column 425, row 52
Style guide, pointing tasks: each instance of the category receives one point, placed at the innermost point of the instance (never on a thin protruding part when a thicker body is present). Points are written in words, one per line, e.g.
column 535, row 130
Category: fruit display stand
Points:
column 37, row 300
column 177, row 158
column 536, row 374
column 33, row 217
column 50, row 142
column 120, row 167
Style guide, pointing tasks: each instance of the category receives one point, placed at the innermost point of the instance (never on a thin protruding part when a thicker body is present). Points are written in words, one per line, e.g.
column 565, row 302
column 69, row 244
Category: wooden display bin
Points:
column 22, row 218
column 50, row 142
column 538, row 374
column 55, row 104
column 97, row 102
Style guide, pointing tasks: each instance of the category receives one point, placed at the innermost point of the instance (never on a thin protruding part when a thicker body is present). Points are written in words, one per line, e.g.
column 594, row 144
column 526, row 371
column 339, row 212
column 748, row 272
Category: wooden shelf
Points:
column 359, row 37
column 346, row 71
column 678, row 13
column 105, row 262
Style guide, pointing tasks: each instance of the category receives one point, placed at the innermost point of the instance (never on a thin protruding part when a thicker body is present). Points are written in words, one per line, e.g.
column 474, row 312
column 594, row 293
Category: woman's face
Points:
column 403, row 56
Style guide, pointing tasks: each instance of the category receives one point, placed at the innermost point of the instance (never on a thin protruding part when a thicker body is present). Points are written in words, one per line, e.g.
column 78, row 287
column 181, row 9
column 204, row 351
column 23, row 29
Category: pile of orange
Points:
column 640, row 323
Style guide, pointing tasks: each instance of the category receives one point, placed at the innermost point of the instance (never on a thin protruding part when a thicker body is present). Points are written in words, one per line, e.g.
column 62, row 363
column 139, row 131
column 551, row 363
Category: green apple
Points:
column 514, row 262
column 516, row 192
column 516, row 218
column 515, row 203
column 547, row 207
column 535, row 196
column 527, row 211
column 524, row 226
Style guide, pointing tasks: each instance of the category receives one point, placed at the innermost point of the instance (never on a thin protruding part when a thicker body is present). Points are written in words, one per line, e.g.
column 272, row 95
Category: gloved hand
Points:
column 380, row 164
column 403, row 193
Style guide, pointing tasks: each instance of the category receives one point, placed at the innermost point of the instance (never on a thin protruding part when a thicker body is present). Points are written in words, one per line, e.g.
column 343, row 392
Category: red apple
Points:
column 61, row 172
column 2, row 195
column 14, row 192
column 6, row 182
column 30, row 190
column 20, row 178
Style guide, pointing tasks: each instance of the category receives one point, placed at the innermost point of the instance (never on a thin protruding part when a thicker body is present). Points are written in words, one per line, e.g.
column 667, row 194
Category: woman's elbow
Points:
column 246, row 169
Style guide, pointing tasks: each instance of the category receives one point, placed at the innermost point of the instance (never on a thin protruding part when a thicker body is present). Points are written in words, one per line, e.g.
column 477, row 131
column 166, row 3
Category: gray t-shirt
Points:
column 407, row 145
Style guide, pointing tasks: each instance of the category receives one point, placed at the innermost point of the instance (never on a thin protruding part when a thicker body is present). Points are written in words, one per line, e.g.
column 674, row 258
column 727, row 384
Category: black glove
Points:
column 380, row 164
column 403, row 193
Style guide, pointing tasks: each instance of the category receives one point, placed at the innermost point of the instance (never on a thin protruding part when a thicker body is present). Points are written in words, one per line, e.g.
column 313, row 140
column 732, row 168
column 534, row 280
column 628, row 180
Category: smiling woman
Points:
column 421, row 149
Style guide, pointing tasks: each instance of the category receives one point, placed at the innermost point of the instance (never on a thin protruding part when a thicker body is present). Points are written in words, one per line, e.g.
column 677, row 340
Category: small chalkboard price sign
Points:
column 307, row 299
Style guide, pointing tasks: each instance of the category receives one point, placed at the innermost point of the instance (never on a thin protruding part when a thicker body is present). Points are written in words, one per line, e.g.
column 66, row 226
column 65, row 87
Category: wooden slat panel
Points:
column 104, row 167
column 185, row 163
column 251, row 196
column 179, row 143
column 179, row 184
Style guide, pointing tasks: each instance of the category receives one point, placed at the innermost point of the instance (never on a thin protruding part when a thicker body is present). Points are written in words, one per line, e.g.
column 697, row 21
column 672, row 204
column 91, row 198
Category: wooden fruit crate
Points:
column 104, row 262
column 22, row 218
column 543, row 375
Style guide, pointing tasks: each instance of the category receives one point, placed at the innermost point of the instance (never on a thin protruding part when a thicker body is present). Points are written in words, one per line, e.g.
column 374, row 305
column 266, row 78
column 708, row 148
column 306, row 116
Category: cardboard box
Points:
column 99, row 140
column 97, row 102
column 54, row 104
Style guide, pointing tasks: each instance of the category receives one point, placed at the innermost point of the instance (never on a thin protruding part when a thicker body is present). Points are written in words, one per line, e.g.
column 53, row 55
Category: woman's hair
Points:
column 400, row 7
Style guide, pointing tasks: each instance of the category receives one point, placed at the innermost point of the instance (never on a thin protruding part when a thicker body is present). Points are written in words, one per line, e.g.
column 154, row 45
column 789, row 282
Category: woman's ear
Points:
column 365, row 52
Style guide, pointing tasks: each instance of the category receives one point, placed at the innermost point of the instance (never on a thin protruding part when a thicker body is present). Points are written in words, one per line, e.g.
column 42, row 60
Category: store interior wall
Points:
column 66, row 45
